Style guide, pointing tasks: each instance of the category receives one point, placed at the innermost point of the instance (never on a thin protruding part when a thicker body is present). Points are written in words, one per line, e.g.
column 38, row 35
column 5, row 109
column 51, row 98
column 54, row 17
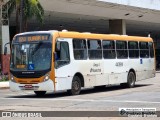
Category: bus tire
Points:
column 131, row 79
column 40, row 93
column 76, row 86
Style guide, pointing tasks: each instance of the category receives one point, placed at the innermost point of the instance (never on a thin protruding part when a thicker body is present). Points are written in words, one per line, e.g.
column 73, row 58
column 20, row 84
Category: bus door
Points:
column 62, row 64
column 62, row 56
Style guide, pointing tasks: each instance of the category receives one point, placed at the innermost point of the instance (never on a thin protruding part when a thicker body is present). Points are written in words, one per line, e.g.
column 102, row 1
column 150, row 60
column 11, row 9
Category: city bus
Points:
column 51, row 61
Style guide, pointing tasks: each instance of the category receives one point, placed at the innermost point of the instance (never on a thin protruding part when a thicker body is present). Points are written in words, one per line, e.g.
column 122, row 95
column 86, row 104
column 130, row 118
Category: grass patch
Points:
column 4, row 79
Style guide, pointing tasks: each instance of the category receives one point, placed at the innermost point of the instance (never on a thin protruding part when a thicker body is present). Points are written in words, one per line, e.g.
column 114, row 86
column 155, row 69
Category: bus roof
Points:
column 35, row 32
column 103, row 36
column 69, row 34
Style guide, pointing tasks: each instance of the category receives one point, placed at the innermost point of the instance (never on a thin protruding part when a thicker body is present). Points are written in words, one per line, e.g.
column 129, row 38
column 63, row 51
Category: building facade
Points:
column 131, row 17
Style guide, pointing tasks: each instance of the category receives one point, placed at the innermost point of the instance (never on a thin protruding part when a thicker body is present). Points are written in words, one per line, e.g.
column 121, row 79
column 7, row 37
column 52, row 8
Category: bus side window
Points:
column 151, row 49
column 144, row 49
column 64, row 52
column 79, row 49
column 133, row 49
column 94, row 49
column 121, row 47
column 109, row 49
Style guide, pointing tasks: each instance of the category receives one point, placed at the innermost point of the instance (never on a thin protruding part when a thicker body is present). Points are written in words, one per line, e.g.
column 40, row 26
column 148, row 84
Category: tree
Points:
column 31, row 8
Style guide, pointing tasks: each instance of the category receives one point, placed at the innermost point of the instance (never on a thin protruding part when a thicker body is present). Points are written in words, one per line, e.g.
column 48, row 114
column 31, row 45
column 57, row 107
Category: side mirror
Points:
column 5, row 50
column 55, row 56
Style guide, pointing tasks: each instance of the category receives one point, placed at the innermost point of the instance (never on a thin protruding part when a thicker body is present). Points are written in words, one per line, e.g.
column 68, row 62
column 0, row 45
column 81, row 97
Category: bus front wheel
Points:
column 76, row 86
column 131, row 80
column 40, row 93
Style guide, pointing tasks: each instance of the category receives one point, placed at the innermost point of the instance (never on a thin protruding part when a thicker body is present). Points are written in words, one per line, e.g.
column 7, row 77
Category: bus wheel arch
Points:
column 77, row 83
column 130, row 83
column 81, row 78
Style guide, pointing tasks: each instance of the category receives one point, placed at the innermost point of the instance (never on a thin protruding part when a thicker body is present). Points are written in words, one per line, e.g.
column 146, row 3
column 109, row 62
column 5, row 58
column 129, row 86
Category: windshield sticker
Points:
column 31, row 67
column 21, row 66
column 30, row 62
column 141, row 61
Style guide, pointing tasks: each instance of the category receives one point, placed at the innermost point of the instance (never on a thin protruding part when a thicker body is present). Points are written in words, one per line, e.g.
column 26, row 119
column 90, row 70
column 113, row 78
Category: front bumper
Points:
column 44, row 86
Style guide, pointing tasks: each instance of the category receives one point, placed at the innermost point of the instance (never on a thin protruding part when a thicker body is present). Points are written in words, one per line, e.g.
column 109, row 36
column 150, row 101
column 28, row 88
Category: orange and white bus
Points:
column 45, row 61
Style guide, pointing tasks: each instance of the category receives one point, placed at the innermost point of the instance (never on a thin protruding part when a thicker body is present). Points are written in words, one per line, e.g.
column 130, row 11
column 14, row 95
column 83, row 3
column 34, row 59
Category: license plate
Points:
column 28, row 86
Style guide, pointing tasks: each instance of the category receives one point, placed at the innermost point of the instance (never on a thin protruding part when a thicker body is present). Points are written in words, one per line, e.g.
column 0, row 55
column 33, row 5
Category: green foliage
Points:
column 31, row 8
column 4, row 78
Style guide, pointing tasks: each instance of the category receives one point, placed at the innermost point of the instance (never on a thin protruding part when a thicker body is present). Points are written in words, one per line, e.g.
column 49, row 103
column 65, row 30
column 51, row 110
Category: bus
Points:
column 44, row 61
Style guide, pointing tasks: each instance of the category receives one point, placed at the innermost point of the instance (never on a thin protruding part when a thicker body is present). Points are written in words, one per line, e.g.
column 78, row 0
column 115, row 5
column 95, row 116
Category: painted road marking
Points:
column 87, row 100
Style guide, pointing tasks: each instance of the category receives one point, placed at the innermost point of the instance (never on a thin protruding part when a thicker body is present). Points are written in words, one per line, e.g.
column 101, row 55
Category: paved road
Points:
column 146, row 94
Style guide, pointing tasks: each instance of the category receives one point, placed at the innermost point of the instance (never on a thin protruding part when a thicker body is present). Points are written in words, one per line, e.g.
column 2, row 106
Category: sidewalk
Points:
column 4, row 85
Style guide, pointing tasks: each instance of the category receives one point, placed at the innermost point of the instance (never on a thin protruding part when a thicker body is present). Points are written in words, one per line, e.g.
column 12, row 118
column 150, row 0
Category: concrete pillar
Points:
column 0, row 45
column 5, row 58
column 4, row 31
column 117, row 27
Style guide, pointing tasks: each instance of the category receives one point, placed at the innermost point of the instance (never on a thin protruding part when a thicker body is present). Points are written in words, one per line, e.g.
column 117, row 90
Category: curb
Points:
column 4, row 85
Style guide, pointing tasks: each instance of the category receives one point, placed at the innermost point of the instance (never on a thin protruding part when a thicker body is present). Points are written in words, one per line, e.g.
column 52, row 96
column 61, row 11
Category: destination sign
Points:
column 32, row 38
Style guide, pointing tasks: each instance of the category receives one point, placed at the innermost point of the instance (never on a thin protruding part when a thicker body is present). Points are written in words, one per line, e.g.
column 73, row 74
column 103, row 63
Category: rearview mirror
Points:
column 5, row 50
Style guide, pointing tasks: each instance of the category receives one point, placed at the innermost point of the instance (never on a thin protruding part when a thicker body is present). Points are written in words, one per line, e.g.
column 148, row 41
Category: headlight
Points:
column 12, row 78
column 46, row 77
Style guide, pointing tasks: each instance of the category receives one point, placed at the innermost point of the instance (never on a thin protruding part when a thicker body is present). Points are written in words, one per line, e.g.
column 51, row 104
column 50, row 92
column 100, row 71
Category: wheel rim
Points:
column 76, row 85
column 131, row 79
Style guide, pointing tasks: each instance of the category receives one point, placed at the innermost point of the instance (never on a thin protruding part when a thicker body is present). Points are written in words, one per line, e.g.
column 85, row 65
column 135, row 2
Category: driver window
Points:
column 62, row 54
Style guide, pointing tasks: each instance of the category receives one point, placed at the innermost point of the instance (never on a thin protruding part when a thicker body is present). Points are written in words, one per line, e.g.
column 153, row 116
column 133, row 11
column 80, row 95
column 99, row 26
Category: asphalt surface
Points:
column 146, row 94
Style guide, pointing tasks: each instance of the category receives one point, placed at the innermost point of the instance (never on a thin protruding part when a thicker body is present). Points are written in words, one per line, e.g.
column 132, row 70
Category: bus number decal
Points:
column 119, row 64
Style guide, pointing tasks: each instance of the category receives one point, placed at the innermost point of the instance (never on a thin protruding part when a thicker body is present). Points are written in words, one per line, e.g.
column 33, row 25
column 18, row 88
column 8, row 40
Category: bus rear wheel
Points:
column 76, row 86
column 40, row 93
column 131, row 80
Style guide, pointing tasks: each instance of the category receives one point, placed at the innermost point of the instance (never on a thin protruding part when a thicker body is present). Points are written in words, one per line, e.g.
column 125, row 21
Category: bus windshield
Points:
column 31, row 56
